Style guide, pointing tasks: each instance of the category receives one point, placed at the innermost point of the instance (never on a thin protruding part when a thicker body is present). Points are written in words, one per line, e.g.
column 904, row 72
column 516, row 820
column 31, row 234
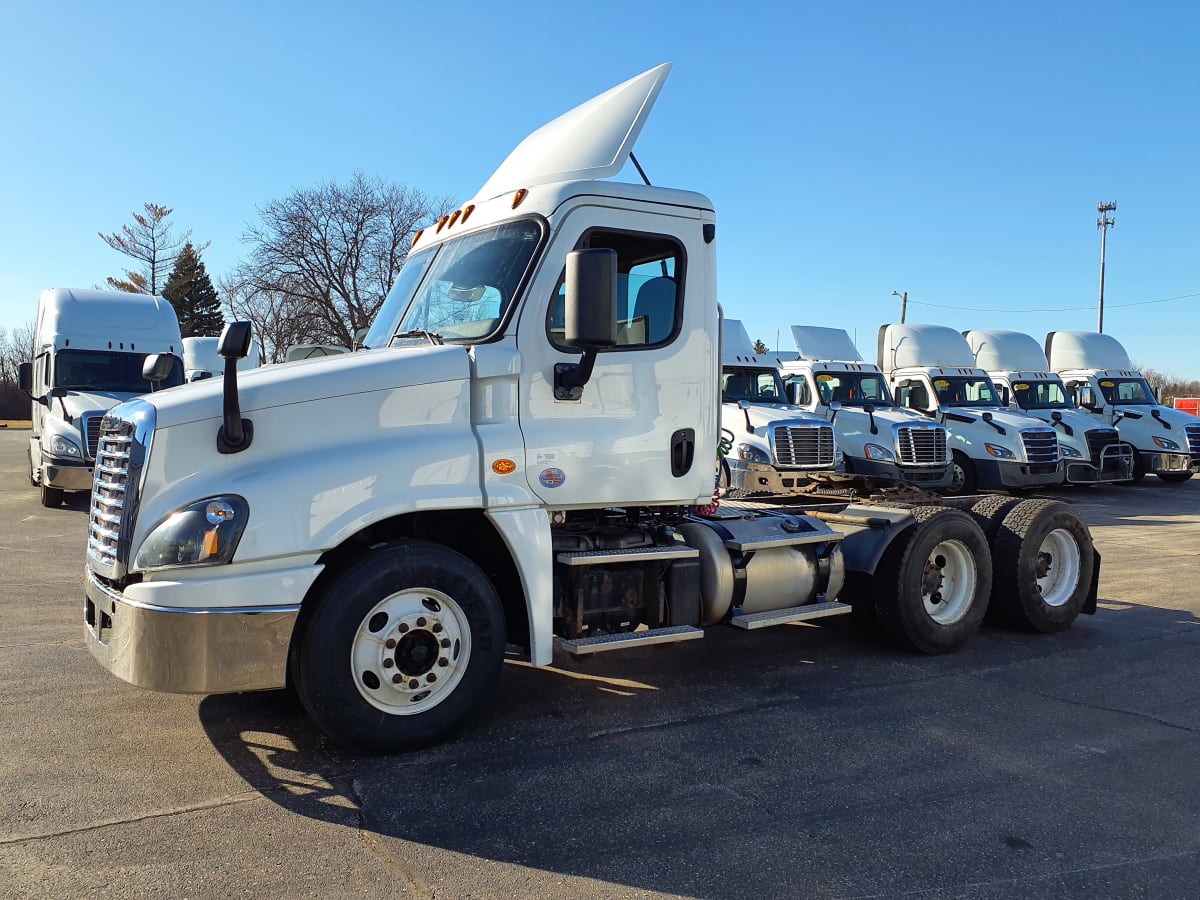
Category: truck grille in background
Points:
column 1098, row 439
column 109, row 490
column 91, row 433
column 810, row 446
column 1041, row 446
column 921, row 446
column 1193, row 436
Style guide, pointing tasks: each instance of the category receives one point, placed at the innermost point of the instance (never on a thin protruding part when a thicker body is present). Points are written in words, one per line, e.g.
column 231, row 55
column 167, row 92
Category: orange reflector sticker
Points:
column 504, row 467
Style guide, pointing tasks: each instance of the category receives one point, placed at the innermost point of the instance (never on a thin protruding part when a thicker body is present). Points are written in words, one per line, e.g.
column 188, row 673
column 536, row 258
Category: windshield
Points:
column 853, row 388
column 459, row 290
column 973, row 390
column 1040, row 395
column 108, row 372
column 755, row 385
column 1127, row 391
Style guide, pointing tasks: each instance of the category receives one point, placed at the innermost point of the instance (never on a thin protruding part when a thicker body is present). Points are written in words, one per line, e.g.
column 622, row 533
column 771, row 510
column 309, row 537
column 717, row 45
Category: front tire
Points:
column 401, row 647
column 1139, row 469
column 934, row 581
column 52, row 498
column 1043, row 565
column 962, row 480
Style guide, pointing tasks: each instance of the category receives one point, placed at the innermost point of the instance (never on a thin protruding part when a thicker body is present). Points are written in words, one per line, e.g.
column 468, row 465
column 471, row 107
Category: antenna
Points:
column 1103, row 223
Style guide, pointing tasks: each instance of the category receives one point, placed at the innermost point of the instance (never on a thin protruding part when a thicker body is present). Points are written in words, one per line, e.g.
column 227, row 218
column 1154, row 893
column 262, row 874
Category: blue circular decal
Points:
column 552, row 478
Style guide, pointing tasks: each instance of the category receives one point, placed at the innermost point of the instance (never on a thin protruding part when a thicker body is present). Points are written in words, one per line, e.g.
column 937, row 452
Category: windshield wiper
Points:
column 432, row 336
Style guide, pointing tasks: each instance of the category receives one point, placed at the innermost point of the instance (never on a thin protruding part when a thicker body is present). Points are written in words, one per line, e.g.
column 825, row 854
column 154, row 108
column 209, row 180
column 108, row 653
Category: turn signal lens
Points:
column 504, row 467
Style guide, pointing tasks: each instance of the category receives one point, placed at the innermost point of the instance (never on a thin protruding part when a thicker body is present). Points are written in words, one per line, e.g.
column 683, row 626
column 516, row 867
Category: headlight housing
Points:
column 1069, row 452
column 750, row 453
column 999, row 452
column 875, row 451
column 204, row 533
column 60, row 445
column 1165, row 443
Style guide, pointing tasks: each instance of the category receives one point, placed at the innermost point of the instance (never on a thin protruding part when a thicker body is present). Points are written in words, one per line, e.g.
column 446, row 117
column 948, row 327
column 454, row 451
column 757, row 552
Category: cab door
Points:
column 644, row 428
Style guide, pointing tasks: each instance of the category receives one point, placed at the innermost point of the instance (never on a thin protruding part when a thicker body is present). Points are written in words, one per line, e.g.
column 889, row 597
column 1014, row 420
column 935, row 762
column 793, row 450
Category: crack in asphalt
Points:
column 372, row 840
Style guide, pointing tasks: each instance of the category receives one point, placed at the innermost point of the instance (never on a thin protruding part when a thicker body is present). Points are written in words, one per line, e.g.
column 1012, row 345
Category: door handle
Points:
column 683, row 451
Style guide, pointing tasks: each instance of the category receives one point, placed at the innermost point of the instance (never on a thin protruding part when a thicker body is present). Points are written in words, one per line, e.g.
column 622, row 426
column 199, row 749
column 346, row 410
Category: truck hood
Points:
column 79, row 402
column 883, row 415
column 763, row 415
column 322, row 379
column 1002, row 417
column 1177, row 419
column 1080, row 422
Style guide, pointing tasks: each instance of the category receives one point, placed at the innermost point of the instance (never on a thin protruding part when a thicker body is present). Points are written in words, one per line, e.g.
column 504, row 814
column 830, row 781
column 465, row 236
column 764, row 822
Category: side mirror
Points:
column 235, row 433
column 590, row 317
column 360, row 335
column 834, row 405
column 25, row 377
column 1005, row 396
column 157, row 366
column 793, row 393
column 234, row 342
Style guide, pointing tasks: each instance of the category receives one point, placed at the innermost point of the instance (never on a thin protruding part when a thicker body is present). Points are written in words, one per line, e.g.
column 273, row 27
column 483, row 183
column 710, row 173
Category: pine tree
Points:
column 191, row 292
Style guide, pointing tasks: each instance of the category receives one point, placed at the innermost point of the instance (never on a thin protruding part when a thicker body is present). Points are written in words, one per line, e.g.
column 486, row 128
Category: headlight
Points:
column 64, row 446
column 1069, row 452
column 874, row 451
column 203, row 533
column 751, row 453
column 998, row 452
column 1165, row 443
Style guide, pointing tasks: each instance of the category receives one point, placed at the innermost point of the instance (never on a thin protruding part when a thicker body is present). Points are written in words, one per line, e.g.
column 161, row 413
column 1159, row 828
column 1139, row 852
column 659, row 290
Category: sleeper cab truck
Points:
column 88, row 353
column 884, row 445
column 774, row 446
column 1100, row 379
column 1092, row 451
column 515, row 462
column 201, row 360
column 931, row 369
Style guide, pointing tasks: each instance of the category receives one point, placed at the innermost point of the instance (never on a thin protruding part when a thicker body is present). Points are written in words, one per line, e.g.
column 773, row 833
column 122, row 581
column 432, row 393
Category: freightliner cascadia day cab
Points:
column 1100, row 378
column 201, row 360
column 521, row 457
column 776, row 447
column 931, row 369
column 89, row 348
column 883, row 444
column 1092, row 451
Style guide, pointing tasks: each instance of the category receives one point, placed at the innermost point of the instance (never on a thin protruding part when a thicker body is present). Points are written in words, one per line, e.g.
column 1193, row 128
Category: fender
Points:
column 526, row 533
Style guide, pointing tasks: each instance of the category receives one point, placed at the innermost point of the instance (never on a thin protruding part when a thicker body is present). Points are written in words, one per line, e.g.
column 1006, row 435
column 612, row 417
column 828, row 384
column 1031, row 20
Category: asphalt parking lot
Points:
column 797, row 761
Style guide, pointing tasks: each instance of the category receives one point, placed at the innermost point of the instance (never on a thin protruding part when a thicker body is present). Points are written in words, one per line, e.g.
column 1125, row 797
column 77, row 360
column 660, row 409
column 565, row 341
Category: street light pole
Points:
column 903, row 304
column 1103, row 223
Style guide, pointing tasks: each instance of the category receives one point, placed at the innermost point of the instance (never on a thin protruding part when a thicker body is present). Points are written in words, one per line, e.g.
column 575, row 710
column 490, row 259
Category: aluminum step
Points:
column 630, row 554
column 791, row 614
column 602, row 642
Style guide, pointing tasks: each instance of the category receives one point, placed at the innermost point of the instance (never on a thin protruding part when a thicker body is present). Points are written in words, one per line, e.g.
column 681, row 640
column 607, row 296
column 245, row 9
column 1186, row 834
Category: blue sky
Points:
column 952, row 150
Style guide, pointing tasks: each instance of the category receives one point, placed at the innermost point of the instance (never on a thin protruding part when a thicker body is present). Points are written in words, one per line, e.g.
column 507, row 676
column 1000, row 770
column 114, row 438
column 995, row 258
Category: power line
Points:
column 1052, row 309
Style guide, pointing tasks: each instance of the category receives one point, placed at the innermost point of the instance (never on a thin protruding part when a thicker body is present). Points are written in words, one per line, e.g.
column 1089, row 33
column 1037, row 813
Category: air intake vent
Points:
column 1041, row 446
column 923, row 446
column 803, row 446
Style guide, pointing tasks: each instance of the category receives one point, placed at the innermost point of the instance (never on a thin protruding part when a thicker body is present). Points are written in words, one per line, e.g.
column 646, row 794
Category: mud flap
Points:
column 1089, row 605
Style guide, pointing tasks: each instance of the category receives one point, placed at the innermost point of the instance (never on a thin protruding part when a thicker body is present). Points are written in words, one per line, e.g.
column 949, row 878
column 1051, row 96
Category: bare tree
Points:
column 324, row 259
column 148, row 239
column 16, row 347
column 279, row 320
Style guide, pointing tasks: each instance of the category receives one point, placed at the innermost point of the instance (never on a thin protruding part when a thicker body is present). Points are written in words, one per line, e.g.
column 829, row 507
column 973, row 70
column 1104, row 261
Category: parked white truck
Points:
column 514, row 461
column 89, row 347
column 1092, row 451
column 776, row 447
column 1100, row 379
column 932, row 370
column 883, row 444
column 201, row 360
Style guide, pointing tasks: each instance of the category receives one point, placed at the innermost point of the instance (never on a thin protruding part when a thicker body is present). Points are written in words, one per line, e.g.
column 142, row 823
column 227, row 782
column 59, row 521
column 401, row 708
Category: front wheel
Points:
column 1139, row 469
column 52, row 498
column 401, row 647
column 1174, row 477
column 962, row 475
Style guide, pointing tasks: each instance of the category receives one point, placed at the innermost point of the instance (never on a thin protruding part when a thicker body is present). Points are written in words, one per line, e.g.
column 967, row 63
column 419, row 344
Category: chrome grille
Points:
column 1193, row 436
column 1041, row 446
column 1098, row 439
column 110, row 489
column 806, row 446
column 91, row 432
column 921, row 446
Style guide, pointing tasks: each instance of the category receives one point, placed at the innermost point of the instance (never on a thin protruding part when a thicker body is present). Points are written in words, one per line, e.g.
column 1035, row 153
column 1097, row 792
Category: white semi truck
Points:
column 201, row 360
column 518, row 459
column 1100, row 379
column 775, row 447
column 89, row 348
column 1092, row 451
column 932, row 370
column 883, row 444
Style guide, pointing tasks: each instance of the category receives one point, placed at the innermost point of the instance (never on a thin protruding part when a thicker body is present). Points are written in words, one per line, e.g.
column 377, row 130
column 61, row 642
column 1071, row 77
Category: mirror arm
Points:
column 570, row 378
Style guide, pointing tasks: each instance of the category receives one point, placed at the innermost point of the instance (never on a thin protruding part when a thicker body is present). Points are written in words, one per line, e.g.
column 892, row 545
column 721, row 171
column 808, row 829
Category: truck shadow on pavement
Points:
column 652, row 768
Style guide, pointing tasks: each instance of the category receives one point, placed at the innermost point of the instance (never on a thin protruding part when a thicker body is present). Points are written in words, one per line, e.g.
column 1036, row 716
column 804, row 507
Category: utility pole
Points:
column 903, row 304
column 1103, row 223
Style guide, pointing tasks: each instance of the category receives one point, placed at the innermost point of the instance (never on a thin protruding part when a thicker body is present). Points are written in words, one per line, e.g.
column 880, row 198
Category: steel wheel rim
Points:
column 410, row 651
column 958, row 476
column 948, row 582
column 1058, row 567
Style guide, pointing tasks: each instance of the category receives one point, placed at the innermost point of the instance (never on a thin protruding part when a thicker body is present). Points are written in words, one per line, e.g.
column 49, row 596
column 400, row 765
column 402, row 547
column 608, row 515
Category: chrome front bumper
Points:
column 1168, row 462
column 188, row 651
column 67, row 477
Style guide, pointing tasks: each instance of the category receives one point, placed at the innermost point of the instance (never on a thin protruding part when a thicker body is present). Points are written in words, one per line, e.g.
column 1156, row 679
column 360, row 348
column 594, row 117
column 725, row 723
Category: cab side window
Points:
column 649, row 288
